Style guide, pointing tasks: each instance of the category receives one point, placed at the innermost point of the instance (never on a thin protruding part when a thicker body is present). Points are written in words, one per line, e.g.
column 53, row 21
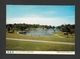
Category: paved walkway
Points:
column 40, row 41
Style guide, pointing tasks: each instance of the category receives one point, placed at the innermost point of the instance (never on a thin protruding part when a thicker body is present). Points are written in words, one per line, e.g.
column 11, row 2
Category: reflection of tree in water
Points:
column 41, row 32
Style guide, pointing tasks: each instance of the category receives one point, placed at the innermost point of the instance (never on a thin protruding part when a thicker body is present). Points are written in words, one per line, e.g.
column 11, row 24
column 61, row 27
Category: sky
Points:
column 53, row 15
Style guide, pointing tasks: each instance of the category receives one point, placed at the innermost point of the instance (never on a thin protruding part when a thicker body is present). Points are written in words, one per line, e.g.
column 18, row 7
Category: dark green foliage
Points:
column 68, row 29
column 24, row 26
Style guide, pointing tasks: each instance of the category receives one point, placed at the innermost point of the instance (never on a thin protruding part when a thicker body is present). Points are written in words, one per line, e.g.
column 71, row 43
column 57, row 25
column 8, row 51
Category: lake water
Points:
column 42, row 32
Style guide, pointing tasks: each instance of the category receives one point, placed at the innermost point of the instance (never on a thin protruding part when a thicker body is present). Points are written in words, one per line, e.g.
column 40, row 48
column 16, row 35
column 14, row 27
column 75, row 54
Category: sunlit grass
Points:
column 62, row 34
column 36, row 46
column 47, row 38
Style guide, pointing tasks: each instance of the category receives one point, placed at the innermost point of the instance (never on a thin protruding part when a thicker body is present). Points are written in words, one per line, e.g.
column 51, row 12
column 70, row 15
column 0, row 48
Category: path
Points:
column 40, row 41
column 58, row 36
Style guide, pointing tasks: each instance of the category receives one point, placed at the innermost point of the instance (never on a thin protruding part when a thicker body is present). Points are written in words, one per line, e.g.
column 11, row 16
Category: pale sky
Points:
column 53, row 15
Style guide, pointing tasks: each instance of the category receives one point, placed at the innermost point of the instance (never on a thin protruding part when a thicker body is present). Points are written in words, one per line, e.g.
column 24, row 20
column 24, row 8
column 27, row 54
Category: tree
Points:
column 8, row 28
column 67, row 30
column 53, row 27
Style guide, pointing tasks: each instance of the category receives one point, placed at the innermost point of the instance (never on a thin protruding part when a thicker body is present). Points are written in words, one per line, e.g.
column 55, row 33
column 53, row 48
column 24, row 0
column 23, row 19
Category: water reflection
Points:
column 42, row 32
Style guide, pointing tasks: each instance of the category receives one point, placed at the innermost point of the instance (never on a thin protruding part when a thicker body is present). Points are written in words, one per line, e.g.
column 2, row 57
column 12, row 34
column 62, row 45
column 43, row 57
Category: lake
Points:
column 42, row 32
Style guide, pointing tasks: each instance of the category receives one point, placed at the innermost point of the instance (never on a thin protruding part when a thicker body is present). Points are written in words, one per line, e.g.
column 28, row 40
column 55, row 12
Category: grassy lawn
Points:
column 48, row 38
column 34, row 46
column 62, row 34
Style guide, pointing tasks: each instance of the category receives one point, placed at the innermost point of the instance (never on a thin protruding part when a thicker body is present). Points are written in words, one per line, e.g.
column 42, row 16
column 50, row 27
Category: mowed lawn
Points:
column 47, row 38
column 36, row 46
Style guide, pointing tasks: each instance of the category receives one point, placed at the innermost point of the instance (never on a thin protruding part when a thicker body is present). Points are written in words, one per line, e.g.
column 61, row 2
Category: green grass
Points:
column 48, row 38
column 37, row 46
column 34, row 46
column 62, row 34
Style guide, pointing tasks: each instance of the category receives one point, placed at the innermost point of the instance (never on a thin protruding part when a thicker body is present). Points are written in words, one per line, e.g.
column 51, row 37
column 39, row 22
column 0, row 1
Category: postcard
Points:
column 40, row 29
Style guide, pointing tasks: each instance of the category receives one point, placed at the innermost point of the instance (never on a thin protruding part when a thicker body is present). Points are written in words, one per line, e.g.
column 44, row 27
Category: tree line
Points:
column 67, row 29
column 24, row 26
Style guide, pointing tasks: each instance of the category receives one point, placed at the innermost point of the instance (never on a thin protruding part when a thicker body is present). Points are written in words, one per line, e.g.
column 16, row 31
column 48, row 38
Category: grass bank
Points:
column 47, row 38
column 34, row 46
column 38, row 46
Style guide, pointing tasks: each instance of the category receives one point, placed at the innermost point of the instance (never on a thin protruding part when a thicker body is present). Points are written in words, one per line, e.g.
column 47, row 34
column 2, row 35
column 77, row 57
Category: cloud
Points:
column 33, row 15
column 50, row 12
column 38, row 20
